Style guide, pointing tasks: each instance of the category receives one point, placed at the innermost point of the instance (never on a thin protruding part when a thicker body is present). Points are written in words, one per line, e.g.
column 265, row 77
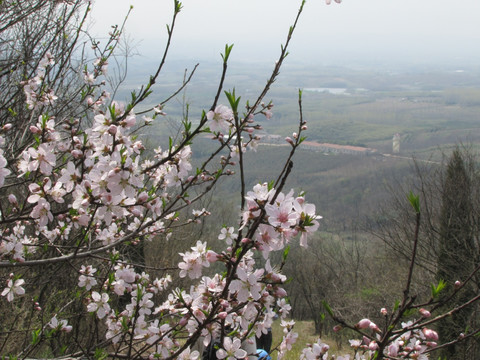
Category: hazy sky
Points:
column 364, row 31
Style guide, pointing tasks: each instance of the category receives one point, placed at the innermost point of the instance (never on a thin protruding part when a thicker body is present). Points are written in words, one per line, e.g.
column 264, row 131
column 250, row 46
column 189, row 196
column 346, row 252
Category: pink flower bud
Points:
column 363, row 324
column 7, row 126
column 457, row 285
column 431, row 344
column 393, row 350
column 112, row 129
column 245, row 240
column 383, row 311
column 35, row 130
column 142, row 197
column 136, row 211
column 77, row 154
column 374, row 327
column 222, row 315
column 337, row 328
column 12, row 199
column 425, row 313
column 280, row 292
column 212, row 256
column 183, row 321
column 35, row 187
column 430, row 334
column 289, row 140
column 130, row 121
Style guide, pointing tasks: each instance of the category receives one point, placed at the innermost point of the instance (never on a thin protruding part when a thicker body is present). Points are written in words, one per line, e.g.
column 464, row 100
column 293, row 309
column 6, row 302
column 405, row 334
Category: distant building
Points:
column 396, row 143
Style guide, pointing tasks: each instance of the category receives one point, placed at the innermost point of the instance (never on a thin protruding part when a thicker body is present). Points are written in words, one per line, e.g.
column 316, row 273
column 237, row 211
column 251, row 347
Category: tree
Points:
column 446, row 251
column 79, row 196
column 457, row 260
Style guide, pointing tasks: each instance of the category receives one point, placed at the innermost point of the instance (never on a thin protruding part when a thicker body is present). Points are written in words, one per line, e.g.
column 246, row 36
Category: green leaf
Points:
column 228, row 50
column 178, row 6
column 233, row 100
column 396, row 306
column 36, row 336
column 285, row 253
column 327, row 308
column 414, row 201
column 437, row 289
column 270, row 185
column 134, row 96
column 100, row 354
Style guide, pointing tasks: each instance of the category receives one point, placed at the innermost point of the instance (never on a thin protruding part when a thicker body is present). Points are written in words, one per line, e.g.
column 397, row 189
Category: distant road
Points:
column 410, row 158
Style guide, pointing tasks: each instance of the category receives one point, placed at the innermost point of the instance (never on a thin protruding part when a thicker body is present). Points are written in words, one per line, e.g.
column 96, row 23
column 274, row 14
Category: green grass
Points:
column 306, row 335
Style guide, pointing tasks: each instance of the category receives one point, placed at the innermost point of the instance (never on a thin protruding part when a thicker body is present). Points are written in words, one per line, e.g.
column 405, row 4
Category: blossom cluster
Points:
column 411, row 341
column 36, row 89
column 93, row 187
column 82, row 190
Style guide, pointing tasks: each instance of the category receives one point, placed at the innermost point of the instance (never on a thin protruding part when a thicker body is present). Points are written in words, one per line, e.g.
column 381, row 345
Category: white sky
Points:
column 357, row 30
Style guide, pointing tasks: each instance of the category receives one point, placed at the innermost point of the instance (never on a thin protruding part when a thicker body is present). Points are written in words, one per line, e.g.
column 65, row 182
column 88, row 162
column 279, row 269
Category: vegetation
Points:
column 99, row 216
column 456, row 259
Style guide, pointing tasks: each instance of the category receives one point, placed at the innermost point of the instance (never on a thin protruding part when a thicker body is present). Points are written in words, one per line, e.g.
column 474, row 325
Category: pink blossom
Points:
column 247, row 285
column 288, row 340
column 281, row 215
column 355, row 344
column 99, row 304
column 14, row 287
column 227, row 234
column 42, row 212
column 86, row 279
column 61, row 325
column 3, row 171
column 220, row 119
column 70, row 176
column 43, row 158
column 187, row 354
column 194, row 261
column 231, row 350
